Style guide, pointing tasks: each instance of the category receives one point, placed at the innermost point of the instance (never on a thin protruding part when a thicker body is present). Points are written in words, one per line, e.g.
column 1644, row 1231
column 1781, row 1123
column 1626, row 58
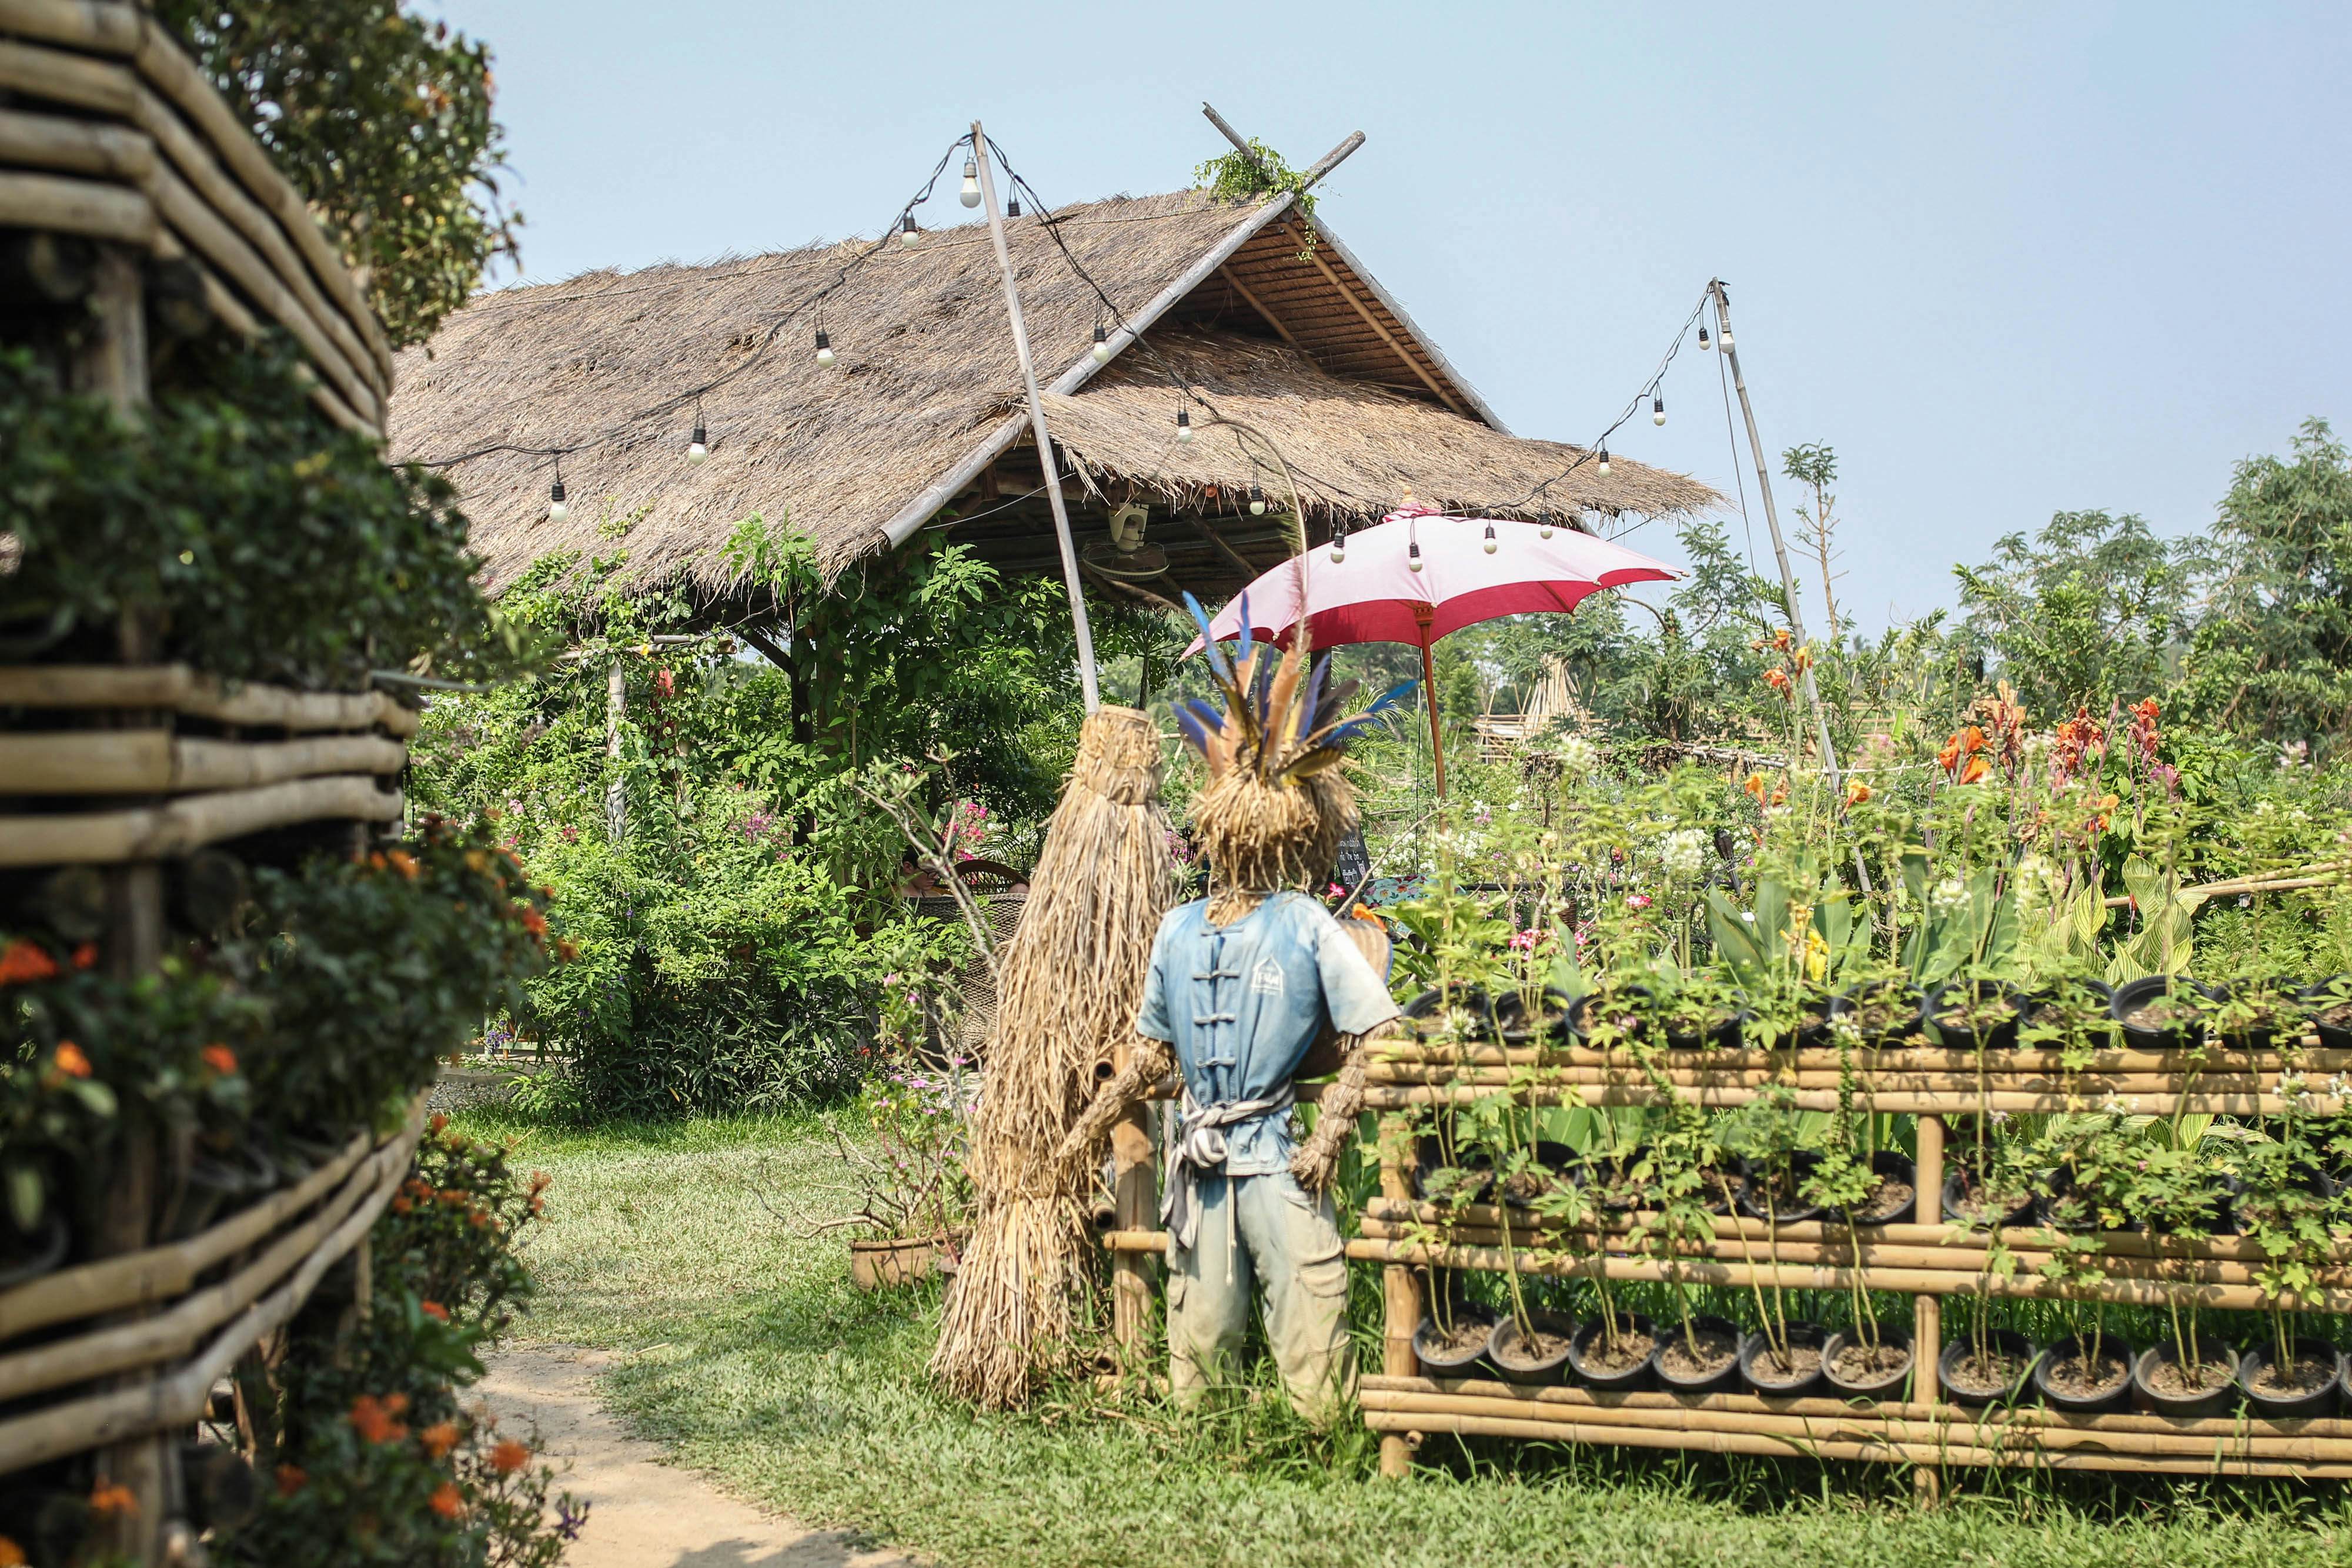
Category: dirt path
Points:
column 645, row 1513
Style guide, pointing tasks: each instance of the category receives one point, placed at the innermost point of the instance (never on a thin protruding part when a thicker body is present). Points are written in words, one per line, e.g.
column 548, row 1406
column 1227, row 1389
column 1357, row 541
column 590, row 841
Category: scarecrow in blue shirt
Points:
column 1244, row 987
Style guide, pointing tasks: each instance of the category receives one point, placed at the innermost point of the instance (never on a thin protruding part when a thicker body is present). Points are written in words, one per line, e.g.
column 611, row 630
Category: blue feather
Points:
column 1190, row 727
column 1241, row 649
column 1218, row 663
column 1390, row 698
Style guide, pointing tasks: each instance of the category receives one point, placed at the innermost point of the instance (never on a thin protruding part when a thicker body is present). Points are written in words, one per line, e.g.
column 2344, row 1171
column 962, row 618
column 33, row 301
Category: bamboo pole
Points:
column 147, row 761
column 180, row 689
column 1070, row 579
column 1868, row 1061
column 1403, row 1096
column 1400, row 1306
column 146, row 833
column 2085, row 1088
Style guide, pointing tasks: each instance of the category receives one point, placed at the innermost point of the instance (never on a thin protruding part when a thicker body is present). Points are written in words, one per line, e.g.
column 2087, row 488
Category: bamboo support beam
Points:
column 1404, row 1096
column 2087, row 1088
column 180, row 689
column 153, row 761
column 1868, row 1061
column 158, row 832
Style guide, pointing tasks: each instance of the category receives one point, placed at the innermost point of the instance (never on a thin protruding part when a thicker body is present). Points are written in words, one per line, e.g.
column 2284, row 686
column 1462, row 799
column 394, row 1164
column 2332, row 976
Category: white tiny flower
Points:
column 1577, row 755
column 1949, row 893
column 1684, row 851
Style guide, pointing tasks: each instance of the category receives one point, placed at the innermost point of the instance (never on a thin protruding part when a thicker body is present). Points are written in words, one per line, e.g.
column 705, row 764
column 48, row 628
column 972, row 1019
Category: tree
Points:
column 1814, row 465
column 2093, row 606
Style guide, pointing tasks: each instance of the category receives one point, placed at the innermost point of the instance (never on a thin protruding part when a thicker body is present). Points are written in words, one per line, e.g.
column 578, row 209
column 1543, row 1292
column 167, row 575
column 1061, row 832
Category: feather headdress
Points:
column 1276, row 804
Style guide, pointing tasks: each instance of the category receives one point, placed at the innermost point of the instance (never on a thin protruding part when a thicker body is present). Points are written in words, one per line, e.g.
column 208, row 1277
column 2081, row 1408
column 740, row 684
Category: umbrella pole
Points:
column 1429, row 697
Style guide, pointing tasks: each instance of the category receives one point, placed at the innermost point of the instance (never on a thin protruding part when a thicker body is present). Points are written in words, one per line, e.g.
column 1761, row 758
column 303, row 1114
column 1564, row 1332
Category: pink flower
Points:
column 1637, row 901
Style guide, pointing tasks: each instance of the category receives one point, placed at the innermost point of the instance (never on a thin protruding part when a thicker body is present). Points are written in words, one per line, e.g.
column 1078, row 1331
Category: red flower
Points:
column 291, row 1478
column 108, row 1498
column 447, row 1500
column 509, row 1456
column 1856, row 793
column 26, row 960
column 85, row 955
column 438, row 1438
column 373, row 1418
column 220, row 1058
column 71, row 1061
column 435, row 1310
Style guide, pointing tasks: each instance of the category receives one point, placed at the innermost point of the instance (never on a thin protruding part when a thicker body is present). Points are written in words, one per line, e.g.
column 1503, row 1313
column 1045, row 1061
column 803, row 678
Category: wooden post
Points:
column 616, row 709
column 1400, row 1296
column 1052, row 470
column 1423, row 614
column 1135, row 1193
column 1927, row 1312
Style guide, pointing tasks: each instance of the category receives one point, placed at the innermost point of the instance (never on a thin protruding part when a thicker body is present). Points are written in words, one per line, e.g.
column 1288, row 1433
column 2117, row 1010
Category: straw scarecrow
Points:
column 1240, row 988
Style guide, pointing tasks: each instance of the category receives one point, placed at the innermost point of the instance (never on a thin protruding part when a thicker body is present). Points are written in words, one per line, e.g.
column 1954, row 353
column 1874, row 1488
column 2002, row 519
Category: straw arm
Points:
column 1148, row 1062
column 1317, row 1158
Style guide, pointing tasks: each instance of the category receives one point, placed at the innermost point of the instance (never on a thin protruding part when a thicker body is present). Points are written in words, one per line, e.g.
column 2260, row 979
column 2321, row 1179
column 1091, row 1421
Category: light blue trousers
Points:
column 1263, row 1237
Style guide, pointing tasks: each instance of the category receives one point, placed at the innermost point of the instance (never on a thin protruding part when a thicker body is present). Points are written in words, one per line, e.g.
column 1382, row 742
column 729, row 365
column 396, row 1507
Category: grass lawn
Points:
column 748, row 1354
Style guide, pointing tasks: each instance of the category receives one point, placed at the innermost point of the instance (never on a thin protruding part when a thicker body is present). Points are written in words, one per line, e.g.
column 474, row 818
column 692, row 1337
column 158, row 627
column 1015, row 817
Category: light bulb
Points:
column 556, row 510
column 1339, row 545
column 1657, row 408
column 1726, row 337
column 1544, row 532
column 1703, row 344
column 1102, row 347
column 1184, row 425
column 698, row 448
column 969, row 194
column 1602, row 467
column 825, row 355
column 1490, row 538
column 1012, row 206
column 907, row 235
column 1413, row 555
column 1258, row 502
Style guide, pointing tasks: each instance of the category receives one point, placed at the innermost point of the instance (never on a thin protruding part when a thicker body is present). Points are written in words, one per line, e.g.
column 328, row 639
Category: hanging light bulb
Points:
column 969, row 194
column 1339, row 542
column 1258, row 502
column 699, row 448
column 1657, row 406
column 1602, row 467
column 909, row 236
column 1726, row 337
column 1413, row 555
column 1012, row 206
column 1703, row 344
column 824, row 354
column 1102, row 344
column 1183, row 426
column 556, row 510
column 1490, row 538
column 1544, row 532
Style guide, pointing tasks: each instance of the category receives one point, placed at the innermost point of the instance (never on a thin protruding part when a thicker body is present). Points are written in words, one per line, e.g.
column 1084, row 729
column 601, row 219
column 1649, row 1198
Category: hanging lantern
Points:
column 909, row 236
column 1703, row 344
column 824, row 354
column 969, row 194
column 1013, row 204
column 1102, row 344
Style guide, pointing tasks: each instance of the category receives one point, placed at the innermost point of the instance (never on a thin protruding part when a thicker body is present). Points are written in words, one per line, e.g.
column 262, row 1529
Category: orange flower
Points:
column 1780, row 796
column 1973, row 771
column 1949, row 757
column 566, row 949
column 435, row 1310
column 11, row 1554
column 71, row 1061
column 534, row 922
column 291, row 1478
column 447, row 1500
column 403, row 861
column 438, row 1438
column 402, row 1205
column 1778, row 679
column 439, row 1121
column 376, row 861
column 110, row 1497
column 510, row 1455
column 85, row 955
column 1804, row 658
column 1972, row 740
column 1754, row 785
column 220, row 1058
column 1856, row 793
column 1781, row 639
column 26, row 960
column 371, row 1418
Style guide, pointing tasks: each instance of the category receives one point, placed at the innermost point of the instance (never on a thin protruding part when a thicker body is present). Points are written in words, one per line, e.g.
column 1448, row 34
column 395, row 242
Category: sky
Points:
column 2005, row 260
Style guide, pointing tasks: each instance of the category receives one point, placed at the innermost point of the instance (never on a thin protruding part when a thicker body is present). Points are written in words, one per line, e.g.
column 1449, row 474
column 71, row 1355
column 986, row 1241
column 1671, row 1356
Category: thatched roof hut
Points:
column 921, row 422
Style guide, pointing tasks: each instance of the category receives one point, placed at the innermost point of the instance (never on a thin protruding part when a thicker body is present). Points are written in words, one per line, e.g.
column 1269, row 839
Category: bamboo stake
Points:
column 105, row 838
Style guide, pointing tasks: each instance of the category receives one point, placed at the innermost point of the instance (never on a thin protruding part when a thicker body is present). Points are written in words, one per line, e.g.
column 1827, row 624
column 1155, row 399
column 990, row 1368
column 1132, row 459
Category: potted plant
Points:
column 2284, row 1203
column 2328, row 1005
column 1781, row 1357
column 2176, row 1196
column 908, row 1176
column 1862, row 1361
column 1614, row 1349
column 2161, row 1012
column 2089, row 1371
column 1981, row 1015
column 1700, row 1354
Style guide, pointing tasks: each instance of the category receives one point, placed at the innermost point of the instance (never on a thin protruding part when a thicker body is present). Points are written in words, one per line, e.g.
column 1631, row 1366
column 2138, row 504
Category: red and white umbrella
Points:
column 1417, row 576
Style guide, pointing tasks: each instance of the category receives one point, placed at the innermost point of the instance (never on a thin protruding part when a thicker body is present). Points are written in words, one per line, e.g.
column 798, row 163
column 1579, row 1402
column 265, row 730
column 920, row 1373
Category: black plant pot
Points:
column 2317, row 1401
column 1962, row 1392
column 1712, row 1330
column 1550, row 1022
column 2218, row 1401
column 1462, row 1361
column 1613, row 1380
column 1966, row 1034
column 2180, row 1034
column 1898, row 1167
column 1801, row 1165
column 1886, row 1384
column 1722, row 1031
column 1515, row 1365
column 1595, row 1176
column 1469, row 1000
column 2316, row 1002
column 1956, row 1192
column 2051, row 1207
column 1556, row 1158
column 2093, row 999
column 1886, row 1013
column 1629, row 1004
column 2112, row 1392
column 1756, row 1356
column 28, row 1255
column 1429, row 1156
column 1814, row 1016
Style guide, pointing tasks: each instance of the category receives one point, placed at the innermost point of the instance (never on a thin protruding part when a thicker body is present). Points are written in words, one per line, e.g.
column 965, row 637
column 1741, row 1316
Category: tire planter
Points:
column 2319, row 1400
column 1439, row 1360
column 1961, row 1034
column 2112, row 1392
column 1630, row 1379
column 1756, row 1354
column 903, row 1261
column 1884, row 1383
column 1724, row 1378
column 1506, row 1354
column 2008, row 1342
column 2217, row 1401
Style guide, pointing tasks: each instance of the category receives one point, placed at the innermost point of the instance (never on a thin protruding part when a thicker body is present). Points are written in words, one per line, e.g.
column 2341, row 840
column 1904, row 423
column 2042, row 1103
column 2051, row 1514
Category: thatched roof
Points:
column 926, row 398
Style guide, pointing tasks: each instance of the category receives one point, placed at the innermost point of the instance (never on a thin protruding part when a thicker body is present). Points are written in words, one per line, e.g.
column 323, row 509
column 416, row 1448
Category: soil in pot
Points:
column 1982, row 1014
column 1968, row 1200
column 1893, row 1197
column 1814, row 1015
column 1450, row 1352
column 2211, row 1389
column 1428, row 1015
column 2305, row 1386
column 1712, row 1367
column 1612, row 1184
column 1799, row 1373
column 1995, row 1376
column 1868, row 1371
column 1698, row 1029
column 1712, row 1185
column 1518, row 1024
column 1787, row 1207
column 1885, row 1012
column 1438, row 1180
column 2159, row 1013
column 2069, row 1377
column 2328, row 1015
column 1620, row 1363
column 1536, row 1358
column 1550, row 1173
column 1624, row 1011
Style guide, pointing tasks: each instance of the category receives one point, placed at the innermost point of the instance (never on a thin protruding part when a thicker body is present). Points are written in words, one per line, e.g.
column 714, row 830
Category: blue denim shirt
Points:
column 1242, row 1003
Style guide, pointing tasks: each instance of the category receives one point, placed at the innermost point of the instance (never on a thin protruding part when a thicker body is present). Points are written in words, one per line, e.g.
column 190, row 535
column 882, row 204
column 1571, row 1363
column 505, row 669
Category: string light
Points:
column 1703, row 344
column 969, row 194
column 556, row 510
column 1601, row 467
column 1012, row 206
column 1726, row 337
column 824, row 354
column 699, row 448
column 1413, row 555
column 1102, row 344
column 908, row 235
column 1490, row 538
column 1183, row 426
column 1544, row 532
column 1258, row 502
column 1339, row 541
column 1657, row 406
